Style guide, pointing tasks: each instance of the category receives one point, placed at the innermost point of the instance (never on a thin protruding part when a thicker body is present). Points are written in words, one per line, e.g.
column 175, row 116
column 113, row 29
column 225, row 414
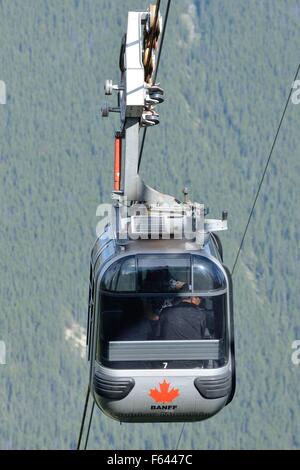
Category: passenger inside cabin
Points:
column 184, row 321
column 160, row 280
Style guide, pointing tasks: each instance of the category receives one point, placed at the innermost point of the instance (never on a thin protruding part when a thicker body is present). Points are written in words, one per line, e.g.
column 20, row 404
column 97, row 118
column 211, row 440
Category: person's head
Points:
column 193, row 300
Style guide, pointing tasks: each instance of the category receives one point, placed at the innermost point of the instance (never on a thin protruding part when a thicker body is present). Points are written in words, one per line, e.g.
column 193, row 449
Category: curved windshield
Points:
column 164, row 274
column 163, row 312
column 120, row 276
column 207, row 276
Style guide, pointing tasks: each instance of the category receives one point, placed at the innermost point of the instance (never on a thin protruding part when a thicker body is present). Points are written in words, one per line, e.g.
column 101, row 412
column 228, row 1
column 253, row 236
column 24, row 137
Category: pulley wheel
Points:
column 157, row 97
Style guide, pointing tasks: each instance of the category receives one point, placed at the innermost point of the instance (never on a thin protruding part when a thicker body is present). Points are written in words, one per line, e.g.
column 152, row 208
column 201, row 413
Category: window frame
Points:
column 191, row 256
column 222, row 341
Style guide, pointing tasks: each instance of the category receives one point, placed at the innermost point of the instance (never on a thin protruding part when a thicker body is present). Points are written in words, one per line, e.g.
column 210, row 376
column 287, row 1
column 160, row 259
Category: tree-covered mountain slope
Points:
column 227, row 68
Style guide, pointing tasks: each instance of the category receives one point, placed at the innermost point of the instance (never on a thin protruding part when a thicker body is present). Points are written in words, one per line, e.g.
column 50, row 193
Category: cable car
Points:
column 160, row 322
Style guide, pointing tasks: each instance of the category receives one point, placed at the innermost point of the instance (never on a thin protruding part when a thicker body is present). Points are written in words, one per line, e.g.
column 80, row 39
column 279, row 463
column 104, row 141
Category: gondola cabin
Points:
column 145, row 365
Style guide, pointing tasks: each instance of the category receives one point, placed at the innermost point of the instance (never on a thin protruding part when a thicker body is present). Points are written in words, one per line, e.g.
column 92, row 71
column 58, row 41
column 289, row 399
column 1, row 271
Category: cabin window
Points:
column 164, row 274
column 121, row 276
column 126, row 277
column 163, row 309
column 167, row 274
column 144, row 331
column 207, row 276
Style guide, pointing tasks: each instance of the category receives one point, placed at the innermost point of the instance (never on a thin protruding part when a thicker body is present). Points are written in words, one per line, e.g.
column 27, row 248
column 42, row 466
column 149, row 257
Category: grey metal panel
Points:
column 112, row 388
column 164, row 350
column 170, row 294
column 214, row 387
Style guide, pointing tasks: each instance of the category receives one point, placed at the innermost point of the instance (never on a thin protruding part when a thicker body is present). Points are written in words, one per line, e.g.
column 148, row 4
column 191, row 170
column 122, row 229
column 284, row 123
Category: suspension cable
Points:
column 155, row 76
column 180, row 436
column 255, row 202
column 263, row 176
column 89, row 427
column 83, row 417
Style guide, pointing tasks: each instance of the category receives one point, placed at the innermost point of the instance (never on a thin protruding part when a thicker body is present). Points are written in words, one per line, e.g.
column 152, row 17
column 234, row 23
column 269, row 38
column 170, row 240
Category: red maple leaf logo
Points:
column 164, row 395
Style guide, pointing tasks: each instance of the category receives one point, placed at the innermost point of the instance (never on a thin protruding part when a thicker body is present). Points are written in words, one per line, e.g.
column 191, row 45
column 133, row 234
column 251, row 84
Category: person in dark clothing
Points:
column 185, row 321
column 182, row 322
column 160, row 280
